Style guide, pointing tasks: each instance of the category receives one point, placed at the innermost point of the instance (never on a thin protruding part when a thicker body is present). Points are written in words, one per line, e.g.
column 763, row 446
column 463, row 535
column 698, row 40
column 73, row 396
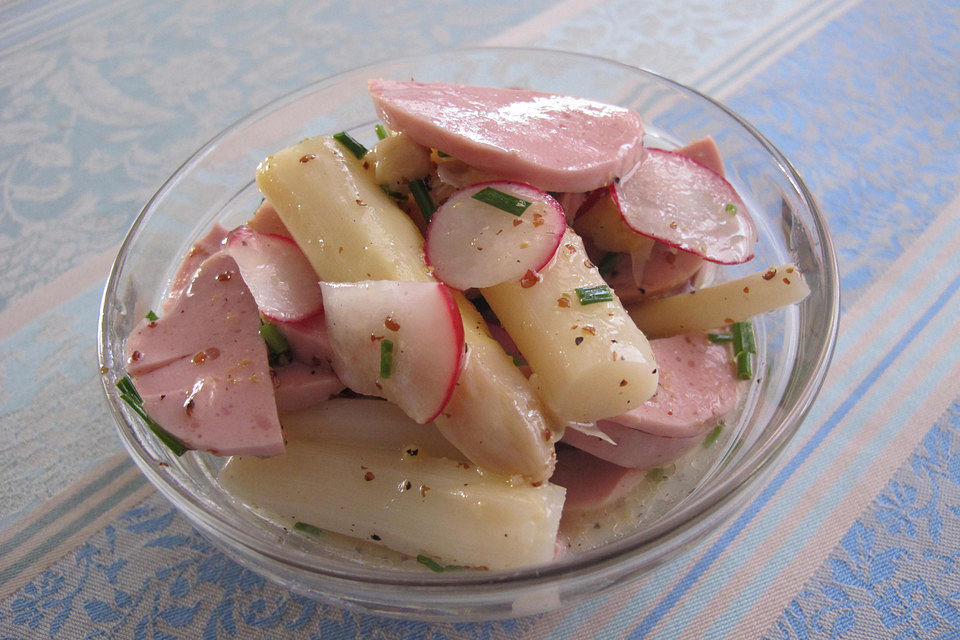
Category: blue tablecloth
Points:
column 856, row 534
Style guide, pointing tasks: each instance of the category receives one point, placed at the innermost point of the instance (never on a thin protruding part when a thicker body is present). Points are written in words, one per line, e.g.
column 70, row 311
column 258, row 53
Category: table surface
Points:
column 855, row 535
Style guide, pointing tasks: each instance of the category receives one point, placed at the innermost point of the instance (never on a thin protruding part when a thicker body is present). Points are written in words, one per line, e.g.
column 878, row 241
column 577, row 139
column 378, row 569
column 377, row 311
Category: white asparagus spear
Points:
column 476, row 518
column 723, row 304
column 589, row 359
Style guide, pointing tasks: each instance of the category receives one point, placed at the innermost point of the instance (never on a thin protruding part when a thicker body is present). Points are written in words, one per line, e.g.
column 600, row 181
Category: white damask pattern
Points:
column 93, row 119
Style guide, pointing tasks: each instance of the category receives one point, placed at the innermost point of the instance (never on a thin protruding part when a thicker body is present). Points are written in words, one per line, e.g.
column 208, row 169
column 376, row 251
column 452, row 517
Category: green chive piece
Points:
column 126, row 388
column 731, row 209
column 386, row 358
column 744, row 365
column 129, row 395
column 503, row 201
column 276, row 343
column 606, row 264
column 657, row 474
column 151, row 316
column 430, row 563
column 441, row 154
column 351, row 144
column 744, row 346
column 396, row 195
column 594, row 294
column 382, row 132
column 718, row 338
column 309, row 529
column 519, row 362
column 422, row 197
column 433, row 565
column 743, row 339
column 712, row 436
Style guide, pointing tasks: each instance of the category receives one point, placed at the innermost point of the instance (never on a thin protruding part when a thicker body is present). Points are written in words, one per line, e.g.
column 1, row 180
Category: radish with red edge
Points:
column 493, row 232
column 677, row 201
column 402, row 341
column 278, row 274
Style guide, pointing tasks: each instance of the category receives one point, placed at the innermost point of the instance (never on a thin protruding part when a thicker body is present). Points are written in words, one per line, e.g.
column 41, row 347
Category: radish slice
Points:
column 472, row 243
column 402, row 341
column 278, row 274
column 554, row 142
column 673, row 199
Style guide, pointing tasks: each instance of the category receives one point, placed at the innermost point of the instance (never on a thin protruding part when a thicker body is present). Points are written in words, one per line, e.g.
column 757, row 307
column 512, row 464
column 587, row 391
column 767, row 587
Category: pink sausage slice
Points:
column 553, row 142
column 705, row 152
column 299, row 386
column 666, row 271
column 590, row 482
column 200, row 251
column 202, row 367
column 308, row 339
column 266, row 220
column 698, row 386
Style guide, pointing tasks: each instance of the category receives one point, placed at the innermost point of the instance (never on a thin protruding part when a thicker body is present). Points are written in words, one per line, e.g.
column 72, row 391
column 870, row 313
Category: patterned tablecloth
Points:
column 857, row 534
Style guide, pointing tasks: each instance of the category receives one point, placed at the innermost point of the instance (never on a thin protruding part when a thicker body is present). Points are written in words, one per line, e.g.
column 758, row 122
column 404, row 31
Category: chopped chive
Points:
column 396, row 195
column 126, row 388
column 744, row 346
column 519, row 362
column 386, row 358
column 433, row 565
column 606, row 263
column 276, row 342
column 422, row 197
column 731, row 209
column 441, row 154
column 151, row 316
column 177, row 447
column 382, row 133
column 593, row 294
column 351, row 144
column 129, row 395
column 503, row 201
column 657, row 474
column 744, row 365
column 743, row 339
column 309, row 529
column 430, row 563
column 712, row 436
column 718, row 338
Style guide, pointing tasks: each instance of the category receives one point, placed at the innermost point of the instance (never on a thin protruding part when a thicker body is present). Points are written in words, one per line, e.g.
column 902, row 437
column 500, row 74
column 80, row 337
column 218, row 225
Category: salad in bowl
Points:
column 493, row 334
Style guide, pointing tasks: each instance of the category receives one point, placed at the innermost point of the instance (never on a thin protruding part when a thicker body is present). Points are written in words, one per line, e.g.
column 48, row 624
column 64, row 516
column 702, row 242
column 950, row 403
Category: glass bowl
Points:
column 216, row 184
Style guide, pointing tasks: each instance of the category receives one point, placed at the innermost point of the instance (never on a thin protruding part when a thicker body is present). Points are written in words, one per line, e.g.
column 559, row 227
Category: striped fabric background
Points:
column 857, row 533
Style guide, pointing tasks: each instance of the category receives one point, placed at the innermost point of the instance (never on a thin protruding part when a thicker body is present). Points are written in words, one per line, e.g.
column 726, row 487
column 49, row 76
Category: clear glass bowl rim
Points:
column 631, row 555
